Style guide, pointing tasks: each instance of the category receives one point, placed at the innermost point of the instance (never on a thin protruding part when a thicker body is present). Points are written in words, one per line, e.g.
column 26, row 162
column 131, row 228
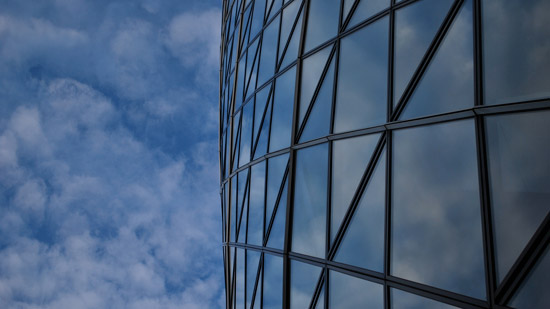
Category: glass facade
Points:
column 385, row 154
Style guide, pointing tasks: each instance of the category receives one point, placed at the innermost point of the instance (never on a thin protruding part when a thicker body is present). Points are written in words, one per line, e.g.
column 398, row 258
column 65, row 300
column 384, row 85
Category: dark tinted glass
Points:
column 269, row 51
column 304, row 279
column 516, row 36
column 401, row 299
column 273, row 282
column 281, row 123
column 256, row 205
column 518, row 147
column 322, row 22
column 534, row 291
column 351, row 292
column 310, row 201
column 362, row 79
column 436, row 216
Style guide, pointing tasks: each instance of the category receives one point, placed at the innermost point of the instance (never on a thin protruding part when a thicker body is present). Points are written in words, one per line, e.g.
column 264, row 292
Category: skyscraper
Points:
column 385, row 153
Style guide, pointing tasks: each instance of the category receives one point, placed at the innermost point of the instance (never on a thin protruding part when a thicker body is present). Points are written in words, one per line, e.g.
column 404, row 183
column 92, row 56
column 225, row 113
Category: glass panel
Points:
column 310, row 201
column 289, row 17
column 240, row 82
column 436, row 227
column 318, row 123
column 448, row 83
column 362, row 80
column 363, row 243
column 259, row 109
column 350, row 292
column 533, row 293
column 402, row 299
column 304, row 278
column 277, row 234
column 232, row 209
column 366, row 9
column 275, row 8
column 240, row 283
column 268, row 56
column 243, row 219
column 519, row 174
column 257, row 17
column 276, row 167
column 236, row 140
column 415, row 28
column 246, row 134
column 516, row 37
column 292, row 50
column 282, row 111
column 322, row 22
column 251, row 68
column 261, row 144
column 312, row 68
column 252, row 263
column 273, row 282
column 349, row 161
column 256, row 211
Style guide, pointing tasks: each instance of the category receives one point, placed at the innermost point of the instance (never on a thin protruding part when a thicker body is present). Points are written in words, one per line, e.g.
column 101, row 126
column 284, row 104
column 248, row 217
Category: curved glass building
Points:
column 385, row 153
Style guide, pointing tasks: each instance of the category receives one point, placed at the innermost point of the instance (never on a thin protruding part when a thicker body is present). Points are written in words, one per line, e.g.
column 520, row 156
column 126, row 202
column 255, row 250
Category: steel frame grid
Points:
column 528, row 257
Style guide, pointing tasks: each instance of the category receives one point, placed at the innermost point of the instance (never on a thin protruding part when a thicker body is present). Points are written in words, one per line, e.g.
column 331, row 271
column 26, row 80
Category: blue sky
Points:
column 108, row 154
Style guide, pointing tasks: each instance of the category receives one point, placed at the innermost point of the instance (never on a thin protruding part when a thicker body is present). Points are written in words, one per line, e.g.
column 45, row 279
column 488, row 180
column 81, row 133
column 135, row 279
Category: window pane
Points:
column 283, row 103
column 534, row 291
column 304, row 279
column 349, row 161
column 252, row 262
column 448, row 83
column 518, row 149
column 436, row 217
column 366, row 9
column 277, row 234
column 273, row 282
column 516, row 38
column 239, row 280
column 269, row 51
column 322, row 22
column 363, row 242
column 312, row 67
column 276, row 170
column 415, row 28
column 351, row 292
column 256, row 211
column 402, row 299
column 362, row 78
column 246, row 133
column 310, row 201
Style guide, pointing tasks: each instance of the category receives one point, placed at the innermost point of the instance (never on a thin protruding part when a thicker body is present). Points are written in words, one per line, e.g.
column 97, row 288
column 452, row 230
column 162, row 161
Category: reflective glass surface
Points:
column 256, row 205
column 518, row 147
column 534, row 292
column 276, row 170
column 273, row 282
column 304, row 279
column 239, row 280
column 415, row 28
column 262, row 120
column 516, row 36
column 268, row 57
column 402, row 299
column 351, row 292
column 366, row 9
column 277, row 234
column 312, row 67
column 349, row 161
column 322, row 22
column 310, row 201
column 246, row 133
column 363, row 242
column 448, row 83
column 252, row 267
column 283, row 103
column 436, row 216
column 290, row 14
column 362, row 80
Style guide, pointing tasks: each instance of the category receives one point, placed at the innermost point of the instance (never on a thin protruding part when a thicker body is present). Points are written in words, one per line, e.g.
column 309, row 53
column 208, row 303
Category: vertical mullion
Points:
column 489, row 259
column 387, row 223
column 291, row 161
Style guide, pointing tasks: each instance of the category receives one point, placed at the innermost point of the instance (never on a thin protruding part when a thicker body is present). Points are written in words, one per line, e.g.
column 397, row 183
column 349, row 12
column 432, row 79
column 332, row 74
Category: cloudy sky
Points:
column 108, row 154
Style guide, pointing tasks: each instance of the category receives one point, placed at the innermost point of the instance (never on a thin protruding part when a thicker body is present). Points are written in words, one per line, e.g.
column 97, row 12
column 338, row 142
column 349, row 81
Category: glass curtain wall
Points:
column 385, row 153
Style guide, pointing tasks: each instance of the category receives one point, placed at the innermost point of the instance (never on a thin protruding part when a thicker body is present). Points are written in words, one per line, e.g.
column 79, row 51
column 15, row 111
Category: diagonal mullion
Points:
column 317, row 291
column 246, row 190
column 350, row 15
column 357, row 196
column 258, row 273
column 426, row 59
column 291, row 33
column 276, row 207
column 316, row 92
column 262, row 122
